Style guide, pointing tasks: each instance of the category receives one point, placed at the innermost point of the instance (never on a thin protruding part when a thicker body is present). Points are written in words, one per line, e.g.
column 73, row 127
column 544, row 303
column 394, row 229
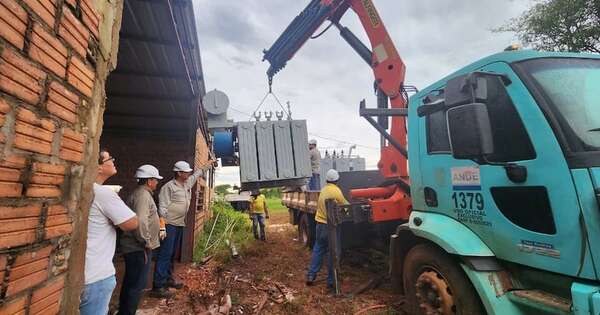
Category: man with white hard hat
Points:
column 137, row 245
column 330, row 191
column 173, row 205
column 315, row 164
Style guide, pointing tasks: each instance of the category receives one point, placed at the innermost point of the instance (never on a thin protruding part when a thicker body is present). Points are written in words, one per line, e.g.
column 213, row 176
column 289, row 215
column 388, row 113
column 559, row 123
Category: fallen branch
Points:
column 374, row 307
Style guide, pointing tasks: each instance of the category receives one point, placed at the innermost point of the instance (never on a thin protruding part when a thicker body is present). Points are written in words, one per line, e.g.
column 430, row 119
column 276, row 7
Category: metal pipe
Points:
column 361, row 49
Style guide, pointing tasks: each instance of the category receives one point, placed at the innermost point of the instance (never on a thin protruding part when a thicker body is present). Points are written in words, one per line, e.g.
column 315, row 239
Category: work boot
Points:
column 171, row 283
column 161, row 293
column 310, row 280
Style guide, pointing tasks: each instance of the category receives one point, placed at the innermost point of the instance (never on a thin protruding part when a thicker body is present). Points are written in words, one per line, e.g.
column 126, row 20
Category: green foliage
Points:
column 222, row 189
column 230, row 224
column 271, row 192
column 275, row 206
column 559, row 25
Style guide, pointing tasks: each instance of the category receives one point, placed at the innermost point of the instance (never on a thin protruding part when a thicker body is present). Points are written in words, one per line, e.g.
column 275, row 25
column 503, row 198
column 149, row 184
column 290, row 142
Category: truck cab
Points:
column 504, row 167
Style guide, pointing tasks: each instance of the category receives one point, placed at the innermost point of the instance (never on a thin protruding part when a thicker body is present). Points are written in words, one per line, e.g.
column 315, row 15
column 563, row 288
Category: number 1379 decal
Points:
column 468, row 200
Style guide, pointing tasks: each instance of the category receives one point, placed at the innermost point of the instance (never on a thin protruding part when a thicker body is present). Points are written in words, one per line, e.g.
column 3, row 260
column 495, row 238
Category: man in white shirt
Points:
column 173, row 204
column 315, row 165
column 107, row 212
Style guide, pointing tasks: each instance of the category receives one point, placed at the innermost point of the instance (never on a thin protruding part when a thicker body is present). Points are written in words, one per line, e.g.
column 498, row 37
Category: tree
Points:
column 559, row 25
column 222, row 189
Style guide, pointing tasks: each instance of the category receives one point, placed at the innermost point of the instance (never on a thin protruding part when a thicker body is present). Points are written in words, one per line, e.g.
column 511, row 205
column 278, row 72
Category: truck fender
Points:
column 448, row 233
column 463, row 242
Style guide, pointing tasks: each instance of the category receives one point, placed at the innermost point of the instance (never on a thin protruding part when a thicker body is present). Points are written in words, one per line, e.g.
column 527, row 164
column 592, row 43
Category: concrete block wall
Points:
column 54, row 59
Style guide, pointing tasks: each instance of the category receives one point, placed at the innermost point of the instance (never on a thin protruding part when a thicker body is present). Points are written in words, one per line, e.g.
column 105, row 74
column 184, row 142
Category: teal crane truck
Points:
column 497, row 201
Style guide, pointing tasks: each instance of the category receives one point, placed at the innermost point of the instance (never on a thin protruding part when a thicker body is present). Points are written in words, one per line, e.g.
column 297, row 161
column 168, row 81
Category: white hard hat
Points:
column 147, row 171
column 332, row 175
column 182, row 166
column 312, row 141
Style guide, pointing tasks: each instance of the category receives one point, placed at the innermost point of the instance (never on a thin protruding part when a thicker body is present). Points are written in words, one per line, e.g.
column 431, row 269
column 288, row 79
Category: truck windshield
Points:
column 571, row 88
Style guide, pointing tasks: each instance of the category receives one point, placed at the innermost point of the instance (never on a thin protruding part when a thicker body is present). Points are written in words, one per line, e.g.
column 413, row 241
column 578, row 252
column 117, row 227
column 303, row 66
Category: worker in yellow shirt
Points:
column 258, row 213
column 330, row 191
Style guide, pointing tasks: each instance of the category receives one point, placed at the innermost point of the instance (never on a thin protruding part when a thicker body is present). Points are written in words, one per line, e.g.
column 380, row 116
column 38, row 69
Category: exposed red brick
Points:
column 16, row 306
column 46, row 9
column 33, row 131
column 19, row 77
column 8, row 189
column 33, row 134
column 74, row 32
column 13, row 23
column 58, row 169
column 8, row 240
column 59, row 230
column 47, row 174
column 3, row 260
column 20, row 224
column 74, row 135
column 26, row 282
column 47, row 305
column 9, row 212
column 9, row 174
column 70, row 155
column 62, row 102
column 43, row 191
column 23, row 271
column 91, row 18
column 51, row 287
column 47, row 179
column 60, row 219
column 48, row 50
column 32, row 144
column 4, row 109
column 28, row 257
column 72, row 145
column 81, row 76
column 13, row 161
column 57, row 209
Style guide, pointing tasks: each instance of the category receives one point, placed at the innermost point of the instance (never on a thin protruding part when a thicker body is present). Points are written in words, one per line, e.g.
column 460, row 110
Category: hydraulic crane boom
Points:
column 383, row 58
column 387, row 203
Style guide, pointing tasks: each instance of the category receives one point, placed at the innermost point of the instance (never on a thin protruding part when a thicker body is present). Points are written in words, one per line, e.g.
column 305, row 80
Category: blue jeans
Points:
column 258, row 220
column 320, row 249
column 315, row 182
column 137, row 266
column 164, row 262
column 96, row 296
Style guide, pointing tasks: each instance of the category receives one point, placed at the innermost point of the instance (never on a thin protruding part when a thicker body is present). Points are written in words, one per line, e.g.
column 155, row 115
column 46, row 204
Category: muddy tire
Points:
column 434, row 283
column 304, row 232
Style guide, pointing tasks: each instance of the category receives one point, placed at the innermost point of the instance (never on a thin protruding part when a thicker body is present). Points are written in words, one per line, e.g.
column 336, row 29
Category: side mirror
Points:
column 470, row 131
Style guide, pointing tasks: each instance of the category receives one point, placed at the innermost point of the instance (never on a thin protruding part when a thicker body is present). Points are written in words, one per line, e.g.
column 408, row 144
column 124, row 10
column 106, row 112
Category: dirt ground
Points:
column 268, row 278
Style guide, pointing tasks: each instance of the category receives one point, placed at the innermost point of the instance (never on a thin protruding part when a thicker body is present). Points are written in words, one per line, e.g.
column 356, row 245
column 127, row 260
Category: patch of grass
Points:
column 230, row 224
column 275, row 206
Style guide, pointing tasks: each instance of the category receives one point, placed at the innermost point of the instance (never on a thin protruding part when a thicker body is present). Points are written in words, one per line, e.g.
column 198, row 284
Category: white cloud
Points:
column 326, row 80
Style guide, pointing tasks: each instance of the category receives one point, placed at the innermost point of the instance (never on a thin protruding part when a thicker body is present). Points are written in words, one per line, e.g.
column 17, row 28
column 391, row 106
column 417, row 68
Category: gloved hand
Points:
column 162, row 234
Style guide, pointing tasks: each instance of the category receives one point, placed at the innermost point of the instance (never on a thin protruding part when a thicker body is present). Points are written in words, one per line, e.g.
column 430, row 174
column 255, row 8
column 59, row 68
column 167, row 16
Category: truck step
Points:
column 542, row 302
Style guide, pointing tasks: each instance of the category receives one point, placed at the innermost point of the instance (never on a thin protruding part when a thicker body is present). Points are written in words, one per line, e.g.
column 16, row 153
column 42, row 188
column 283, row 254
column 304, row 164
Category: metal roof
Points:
column 158, row 82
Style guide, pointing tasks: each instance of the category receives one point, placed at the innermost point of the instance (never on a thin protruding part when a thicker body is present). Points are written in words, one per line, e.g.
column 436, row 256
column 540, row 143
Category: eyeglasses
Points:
column 112, row 158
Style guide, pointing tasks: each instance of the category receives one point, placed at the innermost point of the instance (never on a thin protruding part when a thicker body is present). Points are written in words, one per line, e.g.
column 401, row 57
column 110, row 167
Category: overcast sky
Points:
column 326, row 80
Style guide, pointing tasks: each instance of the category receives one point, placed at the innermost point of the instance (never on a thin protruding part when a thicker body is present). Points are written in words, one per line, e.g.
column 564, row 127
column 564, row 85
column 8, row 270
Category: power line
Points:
column 342, row 141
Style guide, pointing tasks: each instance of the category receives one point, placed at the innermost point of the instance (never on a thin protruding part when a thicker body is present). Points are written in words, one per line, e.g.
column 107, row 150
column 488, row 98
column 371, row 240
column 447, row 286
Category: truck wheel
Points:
column 435, row 284
column 304, row 234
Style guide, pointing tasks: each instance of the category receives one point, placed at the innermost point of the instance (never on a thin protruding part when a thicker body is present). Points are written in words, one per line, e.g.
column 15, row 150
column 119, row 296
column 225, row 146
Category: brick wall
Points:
column 51, row 94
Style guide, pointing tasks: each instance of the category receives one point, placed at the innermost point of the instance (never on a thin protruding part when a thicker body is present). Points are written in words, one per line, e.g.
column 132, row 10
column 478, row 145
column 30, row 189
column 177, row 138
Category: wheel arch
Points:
column 464, row 244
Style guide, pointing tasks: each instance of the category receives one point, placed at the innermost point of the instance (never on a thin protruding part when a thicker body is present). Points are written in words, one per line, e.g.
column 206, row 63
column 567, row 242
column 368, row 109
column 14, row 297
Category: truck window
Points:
column 438, row 141
column 511, row 141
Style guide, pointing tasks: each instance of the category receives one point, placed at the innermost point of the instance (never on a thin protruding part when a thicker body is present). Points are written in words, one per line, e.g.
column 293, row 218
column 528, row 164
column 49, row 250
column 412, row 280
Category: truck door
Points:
column 535, row 222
